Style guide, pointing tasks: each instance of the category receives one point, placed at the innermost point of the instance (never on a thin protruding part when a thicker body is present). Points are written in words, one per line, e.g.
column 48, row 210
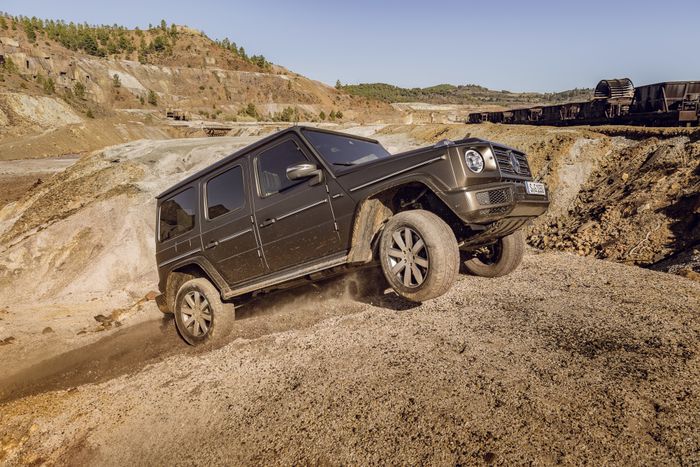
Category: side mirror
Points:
column 303, row 171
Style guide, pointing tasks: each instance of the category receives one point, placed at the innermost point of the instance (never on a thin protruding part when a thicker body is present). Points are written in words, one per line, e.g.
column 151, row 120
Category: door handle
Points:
column 267, row 222
column 211, row 244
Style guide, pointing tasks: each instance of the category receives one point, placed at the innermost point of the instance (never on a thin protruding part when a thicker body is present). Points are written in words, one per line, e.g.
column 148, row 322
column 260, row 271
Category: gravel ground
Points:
column 567, row 360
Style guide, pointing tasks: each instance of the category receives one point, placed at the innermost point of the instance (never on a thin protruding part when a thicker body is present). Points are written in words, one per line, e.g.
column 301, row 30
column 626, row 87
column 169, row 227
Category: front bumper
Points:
column 484, row 204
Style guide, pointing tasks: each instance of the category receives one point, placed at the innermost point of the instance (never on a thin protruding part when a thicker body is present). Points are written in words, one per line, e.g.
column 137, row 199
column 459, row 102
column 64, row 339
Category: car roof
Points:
column 296, row 129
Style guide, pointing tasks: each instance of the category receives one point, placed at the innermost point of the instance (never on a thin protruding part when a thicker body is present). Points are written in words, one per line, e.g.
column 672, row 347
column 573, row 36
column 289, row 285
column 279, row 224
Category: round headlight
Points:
column 474, row 161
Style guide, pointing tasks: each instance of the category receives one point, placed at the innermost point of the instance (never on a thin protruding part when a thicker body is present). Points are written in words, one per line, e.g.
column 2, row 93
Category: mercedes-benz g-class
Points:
column 307, row 203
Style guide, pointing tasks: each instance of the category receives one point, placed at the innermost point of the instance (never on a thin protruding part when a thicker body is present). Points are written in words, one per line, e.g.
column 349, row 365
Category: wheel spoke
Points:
column 417, row 274
column 206, row 316
column 189, row 321
column 408, row 235
column 190, row 302
column 398, row 240
column 418, row 246
column 195, row 328
column 407, row 277
column 393, row 252
column 197, row 299
column 398, row 267
column 203, row 326
column 422, row 262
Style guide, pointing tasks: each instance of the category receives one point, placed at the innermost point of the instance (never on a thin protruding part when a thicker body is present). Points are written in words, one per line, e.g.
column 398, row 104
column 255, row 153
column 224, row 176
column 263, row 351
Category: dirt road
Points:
column 567, row 360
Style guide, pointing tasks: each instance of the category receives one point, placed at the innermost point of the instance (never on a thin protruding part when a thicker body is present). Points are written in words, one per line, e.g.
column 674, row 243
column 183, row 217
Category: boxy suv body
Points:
column 306, row 203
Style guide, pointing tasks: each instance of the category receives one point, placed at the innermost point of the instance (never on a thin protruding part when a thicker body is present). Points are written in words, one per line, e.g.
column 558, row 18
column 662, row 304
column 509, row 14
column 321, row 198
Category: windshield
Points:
column 345, row 151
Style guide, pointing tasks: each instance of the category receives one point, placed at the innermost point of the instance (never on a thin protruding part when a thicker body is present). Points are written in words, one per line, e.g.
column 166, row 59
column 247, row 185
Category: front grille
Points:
column 493, row 197
column 506, row 166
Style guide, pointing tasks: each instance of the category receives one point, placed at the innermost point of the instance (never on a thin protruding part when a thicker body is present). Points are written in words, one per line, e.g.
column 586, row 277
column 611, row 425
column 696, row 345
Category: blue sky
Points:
column 515, row 45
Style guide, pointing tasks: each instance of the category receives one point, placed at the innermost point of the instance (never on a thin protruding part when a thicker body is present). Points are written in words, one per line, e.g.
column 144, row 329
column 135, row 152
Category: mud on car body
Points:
column 304, row 204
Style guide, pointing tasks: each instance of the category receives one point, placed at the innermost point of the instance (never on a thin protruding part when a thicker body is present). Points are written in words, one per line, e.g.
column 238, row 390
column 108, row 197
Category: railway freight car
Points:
column 617, row 102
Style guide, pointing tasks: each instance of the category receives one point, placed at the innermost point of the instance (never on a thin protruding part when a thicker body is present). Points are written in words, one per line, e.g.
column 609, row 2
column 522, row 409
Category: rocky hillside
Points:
column 99, row 71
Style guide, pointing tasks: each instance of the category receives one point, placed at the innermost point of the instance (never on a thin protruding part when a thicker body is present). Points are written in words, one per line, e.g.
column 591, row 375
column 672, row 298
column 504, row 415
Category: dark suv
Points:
column 305, row 203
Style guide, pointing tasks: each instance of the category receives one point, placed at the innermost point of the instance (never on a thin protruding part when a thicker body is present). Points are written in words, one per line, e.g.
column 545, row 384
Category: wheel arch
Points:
column 375, row 209
column 190, row 268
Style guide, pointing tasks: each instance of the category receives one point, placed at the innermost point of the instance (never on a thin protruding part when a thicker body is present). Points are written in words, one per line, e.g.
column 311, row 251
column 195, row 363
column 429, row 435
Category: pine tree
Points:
column 29, row 29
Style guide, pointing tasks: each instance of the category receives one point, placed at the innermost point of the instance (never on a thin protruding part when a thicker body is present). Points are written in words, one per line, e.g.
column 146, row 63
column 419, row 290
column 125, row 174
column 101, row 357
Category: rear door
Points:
column 228, row 231
column 294, row 218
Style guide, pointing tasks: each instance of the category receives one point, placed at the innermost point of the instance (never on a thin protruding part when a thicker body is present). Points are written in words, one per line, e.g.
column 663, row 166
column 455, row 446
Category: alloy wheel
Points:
column 408, row 257
column 196, row 314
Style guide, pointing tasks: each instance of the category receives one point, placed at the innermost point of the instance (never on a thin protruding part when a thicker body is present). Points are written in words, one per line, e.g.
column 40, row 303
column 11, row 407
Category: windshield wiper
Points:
column 344, row 164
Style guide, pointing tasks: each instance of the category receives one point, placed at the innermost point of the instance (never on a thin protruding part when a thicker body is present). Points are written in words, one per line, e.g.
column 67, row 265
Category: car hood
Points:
column 398, row 165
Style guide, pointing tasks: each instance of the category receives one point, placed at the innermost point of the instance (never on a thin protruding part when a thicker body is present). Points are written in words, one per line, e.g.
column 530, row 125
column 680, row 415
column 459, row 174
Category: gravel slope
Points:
column 568, row 360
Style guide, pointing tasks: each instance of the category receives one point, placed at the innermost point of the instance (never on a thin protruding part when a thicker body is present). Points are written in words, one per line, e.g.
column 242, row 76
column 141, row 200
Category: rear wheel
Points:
column 419, row 255
column 200, row 315
column 498, row 259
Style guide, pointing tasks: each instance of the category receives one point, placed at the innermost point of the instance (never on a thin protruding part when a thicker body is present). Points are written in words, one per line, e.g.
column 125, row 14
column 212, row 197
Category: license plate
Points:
column 535, row 188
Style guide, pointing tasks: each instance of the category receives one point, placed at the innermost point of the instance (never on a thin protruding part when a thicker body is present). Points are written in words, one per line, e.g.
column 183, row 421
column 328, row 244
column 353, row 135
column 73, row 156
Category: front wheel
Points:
column 200, row 315
column 498, row 259
column 419, row 255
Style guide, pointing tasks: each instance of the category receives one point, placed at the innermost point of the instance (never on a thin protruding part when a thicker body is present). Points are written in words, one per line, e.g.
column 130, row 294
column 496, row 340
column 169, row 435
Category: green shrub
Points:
column 49, row 86
column 152, row 98
column 9, row 66
column 250, row 111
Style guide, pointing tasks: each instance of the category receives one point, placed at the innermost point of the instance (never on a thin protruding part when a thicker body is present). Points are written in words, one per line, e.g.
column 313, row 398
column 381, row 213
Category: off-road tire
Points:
column 438, row 261
column 221, row 315
column 507, row 256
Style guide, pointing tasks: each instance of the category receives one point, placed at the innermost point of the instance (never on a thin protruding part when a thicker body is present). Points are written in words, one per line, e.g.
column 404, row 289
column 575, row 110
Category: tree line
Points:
column 105, row 40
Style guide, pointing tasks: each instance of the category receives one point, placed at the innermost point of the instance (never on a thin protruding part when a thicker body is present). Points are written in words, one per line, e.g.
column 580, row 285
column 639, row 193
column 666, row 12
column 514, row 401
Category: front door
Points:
column 294, row 217
column 228, row 229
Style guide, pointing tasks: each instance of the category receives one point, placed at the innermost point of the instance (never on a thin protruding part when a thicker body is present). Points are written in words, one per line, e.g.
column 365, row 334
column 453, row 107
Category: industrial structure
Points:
column 615, row 102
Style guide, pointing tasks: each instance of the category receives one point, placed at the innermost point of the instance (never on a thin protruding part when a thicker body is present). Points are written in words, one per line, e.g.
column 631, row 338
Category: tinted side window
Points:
column 177, row 214
column 225, row 193
column 272, row 167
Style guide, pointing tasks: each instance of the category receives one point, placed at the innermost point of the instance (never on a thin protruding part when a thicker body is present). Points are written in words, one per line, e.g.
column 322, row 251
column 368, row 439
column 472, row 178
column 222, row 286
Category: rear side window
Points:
column 272, row 167
column 177, row 214
column 225, row 193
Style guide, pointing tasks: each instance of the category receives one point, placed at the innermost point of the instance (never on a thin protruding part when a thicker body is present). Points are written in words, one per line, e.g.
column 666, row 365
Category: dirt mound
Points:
column 88, row 232
column 641, row 206
column 40, row 110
